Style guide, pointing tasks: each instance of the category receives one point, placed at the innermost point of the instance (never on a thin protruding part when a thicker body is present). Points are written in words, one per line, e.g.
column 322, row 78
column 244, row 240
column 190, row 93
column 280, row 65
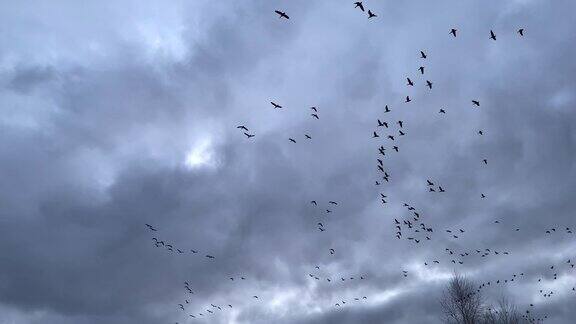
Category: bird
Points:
column 242, row 127
column 480, row 132
column 381, row 123
column 391, row 137
column 386, row 109
column 401, row 133
column 395, row 148
column 314, row 108
column 453, row 31
column 371, row 14
column 315, row 116
column 492, row 35
column 358, row 4
column 333, row 202
column 421, row 70
column 483, row 196
column 332, row 251
column 150, row 227
column 292, row 140
column 282, row 14
column 521, row 31
column 374, row 135
column 441, row 189
column 249, row 135
column 276, row 106
column 429, row 84
column 209, row 256
column 476, row 102
column 400, row 123
column 408, row 99
column 410, row 83
column 423, row 55
column 485, row 161
column 442, row 111
column 307, row 136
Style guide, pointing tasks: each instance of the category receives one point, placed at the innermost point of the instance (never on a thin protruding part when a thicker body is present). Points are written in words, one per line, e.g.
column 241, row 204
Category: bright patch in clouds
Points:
column 201, row 155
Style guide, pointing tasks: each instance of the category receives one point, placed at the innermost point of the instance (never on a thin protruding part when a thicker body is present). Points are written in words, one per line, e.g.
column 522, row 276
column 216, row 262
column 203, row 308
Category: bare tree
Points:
column 461, row 304
column 504, row 313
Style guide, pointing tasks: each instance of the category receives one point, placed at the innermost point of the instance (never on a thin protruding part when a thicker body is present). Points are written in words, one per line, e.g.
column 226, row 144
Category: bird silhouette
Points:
column 315, row 116
column 442, row 111
column 292, row 140
column 429, row 84
column 242, row 127
column 423, row 55
column 421, row 70
column 358, row 4
column 410, row 83
column 453, row 32
column 476, row 103
column 371, row 14
column 282, row 14
column 249, row 135
column 408, row 99
column 521, row 31
column 492, row 35
column 386, row 109
column 374, row 135
column 276, row 106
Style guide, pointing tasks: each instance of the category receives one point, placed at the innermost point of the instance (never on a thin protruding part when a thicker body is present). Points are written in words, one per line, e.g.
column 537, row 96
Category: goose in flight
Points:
column 358, row 4
column 276, row 106
column 371, row 14
column 282, row 14
column 242, row 127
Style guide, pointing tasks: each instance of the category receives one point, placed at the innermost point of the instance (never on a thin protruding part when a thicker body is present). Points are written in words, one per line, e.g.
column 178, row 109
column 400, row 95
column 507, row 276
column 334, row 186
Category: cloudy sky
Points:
column 120, row 113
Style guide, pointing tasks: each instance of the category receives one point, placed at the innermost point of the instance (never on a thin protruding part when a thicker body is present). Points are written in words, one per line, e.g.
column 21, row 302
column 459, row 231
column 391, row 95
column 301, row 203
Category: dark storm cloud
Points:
column 104, row 104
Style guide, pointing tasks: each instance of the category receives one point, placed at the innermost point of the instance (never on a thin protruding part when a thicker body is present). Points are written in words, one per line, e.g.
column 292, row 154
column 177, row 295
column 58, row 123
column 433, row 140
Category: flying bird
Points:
column 442, row 111
column 242, row 127
column 307, row 136
column 358, row 4
column 423, row 55
column 453, row 31
column 371, row 14
column 386, row 109
column 276, row 106
column 521, row 31
column 421, row 70
column 408, row 99
column 314, row 108
column 429, row 84
column 315, row 116
column 282, row 14
column 374, row 135
column 249, row 135
column 410, row 83
column 292, row 140
column 476, row 103
column 492, row 35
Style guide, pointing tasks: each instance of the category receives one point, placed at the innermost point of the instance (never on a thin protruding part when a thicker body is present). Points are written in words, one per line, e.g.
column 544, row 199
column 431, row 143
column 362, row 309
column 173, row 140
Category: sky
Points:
column 117, row 114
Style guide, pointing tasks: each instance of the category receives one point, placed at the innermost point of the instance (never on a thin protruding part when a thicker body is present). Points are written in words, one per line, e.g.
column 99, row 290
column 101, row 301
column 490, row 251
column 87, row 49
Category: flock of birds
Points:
column 412, row 227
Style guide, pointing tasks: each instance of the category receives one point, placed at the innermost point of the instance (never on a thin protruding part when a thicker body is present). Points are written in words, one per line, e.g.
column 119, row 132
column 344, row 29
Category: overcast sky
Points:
column 120, row 113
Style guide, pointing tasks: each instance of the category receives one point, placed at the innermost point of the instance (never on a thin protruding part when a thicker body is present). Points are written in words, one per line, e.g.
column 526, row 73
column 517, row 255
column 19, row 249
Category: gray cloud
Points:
column 117, row 115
